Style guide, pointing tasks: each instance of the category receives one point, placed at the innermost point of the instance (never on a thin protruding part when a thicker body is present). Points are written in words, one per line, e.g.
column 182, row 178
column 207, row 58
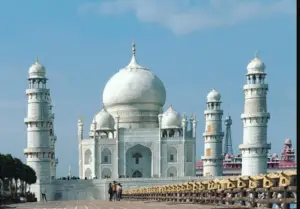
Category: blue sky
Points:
column 192, row 46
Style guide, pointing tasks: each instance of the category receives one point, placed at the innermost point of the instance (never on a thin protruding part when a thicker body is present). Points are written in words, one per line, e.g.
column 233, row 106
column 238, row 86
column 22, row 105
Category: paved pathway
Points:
column 102, row 204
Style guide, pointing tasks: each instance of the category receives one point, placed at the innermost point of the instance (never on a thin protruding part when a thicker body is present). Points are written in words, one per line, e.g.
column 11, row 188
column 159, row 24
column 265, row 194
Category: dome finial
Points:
column 37, row 59
column 133, row 48
column 256, row 54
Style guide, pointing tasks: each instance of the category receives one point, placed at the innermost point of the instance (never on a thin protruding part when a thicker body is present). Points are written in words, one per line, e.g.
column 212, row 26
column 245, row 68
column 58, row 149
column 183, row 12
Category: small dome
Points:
column 288, row 141
column 256, row 66
column 37, row 70
column 275, row 155
column 227, row 156
column 104, row 121
column 171, row 119
column 213, row 96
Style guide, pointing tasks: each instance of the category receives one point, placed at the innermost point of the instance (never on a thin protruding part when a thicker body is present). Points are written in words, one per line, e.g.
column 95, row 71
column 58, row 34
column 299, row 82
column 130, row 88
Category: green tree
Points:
column 15, row 174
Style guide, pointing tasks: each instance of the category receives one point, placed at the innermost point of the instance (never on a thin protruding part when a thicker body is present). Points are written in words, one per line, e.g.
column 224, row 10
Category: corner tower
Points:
column 39, row 152
column 213, row 135
column 255, row 118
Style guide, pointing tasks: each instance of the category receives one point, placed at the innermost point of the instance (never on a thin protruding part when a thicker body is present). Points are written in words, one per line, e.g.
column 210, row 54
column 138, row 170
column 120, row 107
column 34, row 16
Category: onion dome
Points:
column 288, row 141
column 213, row 96
column 227, row 156
column 37, row 70
column 256, row 65
column 134, row 86
column 171, row 119
column 275, row 156
column 104, row 121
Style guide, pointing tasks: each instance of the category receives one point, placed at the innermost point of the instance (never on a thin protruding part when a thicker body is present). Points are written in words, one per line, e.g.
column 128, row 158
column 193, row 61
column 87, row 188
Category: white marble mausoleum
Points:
column 131, row 136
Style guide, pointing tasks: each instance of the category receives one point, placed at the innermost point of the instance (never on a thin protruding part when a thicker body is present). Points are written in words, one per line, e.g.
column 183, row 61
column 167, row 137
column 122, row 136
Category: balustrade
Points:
column 267, row 190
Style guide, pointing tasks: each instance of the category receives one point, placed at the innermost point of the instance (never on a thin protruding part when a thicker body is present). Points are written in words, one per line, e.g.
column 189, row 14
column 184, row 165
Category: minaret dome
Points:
column 256, row 65
column 213, row 96
column 37, row 70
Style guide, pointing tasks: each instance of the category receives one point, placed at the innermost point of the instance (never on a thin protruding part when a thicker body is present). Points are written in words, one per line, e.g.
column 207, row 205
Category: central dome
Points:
column 134, row 84
column 135, row 94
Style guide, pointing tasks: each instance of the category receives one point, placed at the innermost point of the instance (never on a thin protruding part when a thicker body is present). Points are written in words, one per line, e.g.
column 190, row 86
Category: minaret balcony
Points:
column 215, row 112
column 213, row 133
column 35, row 91
column 256, row 86
column 254, row 146
column 56, row 161
column 33, row 119
column 255, row 115
column 38, row 150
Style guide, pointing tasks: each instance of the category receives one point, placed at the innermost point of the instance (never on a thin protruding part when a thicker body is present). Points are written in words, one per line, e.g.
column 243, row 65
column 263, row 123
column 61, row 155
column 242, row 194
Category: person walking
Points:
column 110, row 191
column 114, row 190
column 44, row 195
column 120, row 191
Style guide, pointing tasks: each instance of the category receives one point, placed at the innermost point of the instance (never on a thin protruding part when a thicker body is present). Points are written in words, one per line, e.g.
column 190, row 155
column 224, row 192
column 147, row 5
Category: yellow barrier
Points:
column 244, row 189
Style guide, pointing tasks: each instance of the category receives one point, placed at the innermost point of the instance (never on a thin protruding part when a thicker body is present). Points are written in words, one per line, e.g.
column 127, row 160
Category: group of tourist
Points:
column 115, row 191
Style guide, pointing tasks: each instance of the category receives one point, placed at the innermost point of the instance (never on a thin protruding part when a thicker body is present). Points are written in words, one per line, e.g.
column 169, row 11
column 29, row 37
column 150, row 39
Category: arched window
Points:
column 171, row 133
column 172, row 154
column 172, row 171
column 171, row 158
column 88, row 173
column 87, row 156
column 106, row 156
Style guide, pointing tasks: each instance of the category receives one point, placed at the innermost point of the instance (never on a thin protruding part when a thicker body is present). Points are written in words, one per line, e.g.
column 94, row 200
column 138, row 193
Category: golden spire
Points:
column 133, row 48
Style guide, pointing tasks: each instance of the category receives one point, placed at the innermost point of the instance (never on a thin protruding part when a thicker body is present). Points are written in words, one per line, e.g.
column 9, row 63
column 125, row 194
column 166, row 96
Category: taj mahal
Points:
column 134, row 140
column 131, row 136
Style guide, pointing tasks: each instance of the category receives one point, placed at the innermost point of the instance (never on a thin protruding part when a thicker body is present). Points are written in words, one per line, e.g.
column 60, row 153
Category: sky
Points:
column 192, row 46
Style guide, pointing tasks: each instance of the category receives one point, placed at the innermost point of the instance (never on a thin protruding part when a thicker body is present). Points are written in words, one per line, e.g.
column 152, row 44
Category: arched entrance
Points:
column 139, row 162
column 137, row 174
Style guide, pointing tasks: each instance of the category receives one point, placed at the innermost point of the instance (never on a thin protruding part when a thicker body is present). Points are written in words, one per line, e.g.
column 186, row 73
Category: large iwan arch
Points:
column 139, row 158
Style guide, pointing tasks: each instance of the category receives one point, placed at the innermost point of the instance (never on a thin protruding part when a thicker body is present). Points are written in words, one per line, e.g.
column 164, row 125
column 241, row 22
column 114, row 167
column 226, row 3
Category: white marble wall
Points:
column 96, row 189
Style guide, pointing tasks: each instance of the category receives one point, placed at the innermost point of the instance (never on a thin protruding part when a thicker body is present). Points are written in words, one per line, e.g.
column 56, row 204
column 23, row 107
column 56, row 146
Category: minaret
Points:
column 255, row 118
column 39, row 152
column 53, row 139
column 70, row 172
column 213, row 135
column 80, row 138
column 228, row 140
